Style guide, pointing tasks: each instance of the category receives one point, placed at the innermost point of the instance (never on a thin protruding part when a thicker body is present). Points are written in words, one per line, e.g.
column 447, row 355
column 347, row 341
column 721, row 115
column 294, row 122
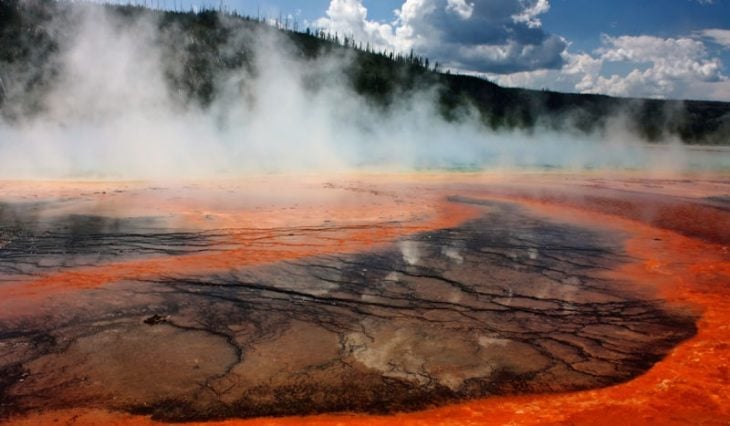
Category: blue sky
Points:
column 645, row 48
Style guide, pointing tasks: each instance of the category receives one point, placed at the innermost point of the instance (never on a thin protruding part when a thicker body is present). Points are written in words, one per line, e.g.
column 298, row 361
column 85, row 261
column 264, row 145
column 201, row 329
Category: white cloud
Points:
column 674, row 64
column 716, row 35
column 501, row 36
column 504, row 41
column 532, row 9
column 576, row 75
column 461, row 7
column 349, row 18
column 656, row 67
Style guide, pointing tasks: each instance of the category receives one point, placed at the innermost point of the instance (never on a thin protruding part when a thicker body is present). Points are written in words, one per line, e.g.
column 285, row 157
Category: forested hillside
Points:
column 201, row 48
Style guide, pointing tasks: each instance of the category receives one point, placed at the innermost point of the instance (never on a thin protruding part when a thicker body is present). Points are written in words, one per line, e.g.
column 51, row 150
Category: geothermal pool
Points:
column 432, row 298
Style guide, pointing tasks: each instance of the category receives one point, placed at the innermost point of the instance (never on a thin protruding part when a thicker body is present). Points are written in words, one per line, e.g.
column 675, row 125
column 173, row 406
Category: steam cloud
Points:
column 111, row 114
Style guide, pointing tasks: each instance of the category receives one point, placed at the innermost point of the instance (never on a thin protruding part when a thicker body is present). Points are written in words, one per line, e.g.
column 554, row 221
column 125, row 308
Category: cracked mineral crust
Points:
column 506, row 302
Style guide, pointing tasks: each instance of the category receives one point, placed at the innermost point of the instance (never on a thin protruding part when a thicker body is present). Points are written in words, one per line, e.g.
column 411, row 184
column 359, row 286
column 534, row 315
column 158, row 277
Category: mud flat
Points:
column 529, row 298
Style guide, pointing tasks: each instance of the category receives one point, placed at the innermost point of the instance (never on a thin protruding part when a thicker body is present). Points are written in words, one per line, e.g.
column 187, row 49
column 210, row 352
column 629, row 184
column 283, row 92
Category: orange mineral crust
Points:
column 676, row 242
column 260, row 221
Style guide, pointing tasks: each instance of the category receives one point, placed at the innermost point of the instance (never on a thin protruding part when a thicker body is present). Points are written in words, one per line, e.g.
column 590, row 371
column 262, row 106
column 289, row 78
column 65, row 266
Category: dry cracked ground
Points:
column 505, row 303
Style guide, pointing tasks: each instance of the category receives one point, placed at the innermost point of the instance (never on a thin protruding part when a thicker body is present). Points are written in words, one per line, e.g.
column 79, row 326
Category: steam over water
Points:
column 112, row 114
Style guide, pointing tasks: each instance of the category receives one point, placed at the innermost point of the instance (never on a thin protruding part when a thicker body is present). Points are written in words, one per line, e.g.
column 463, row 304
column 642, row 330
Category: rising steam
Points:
column 112, row 114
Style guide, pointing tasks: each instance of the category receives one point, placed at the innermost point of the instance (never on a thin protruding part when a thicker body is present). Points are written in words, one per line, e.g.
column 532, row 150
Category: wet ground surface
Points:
column 507, row 302
column 31, row 244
